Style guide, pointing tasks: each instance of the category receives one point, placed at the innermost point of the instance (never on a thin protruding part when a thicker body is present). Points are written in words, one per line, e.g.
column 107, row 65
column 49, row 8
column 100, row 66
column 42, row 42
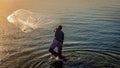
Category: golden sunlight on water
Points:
column 11, row 5
column 8, row 6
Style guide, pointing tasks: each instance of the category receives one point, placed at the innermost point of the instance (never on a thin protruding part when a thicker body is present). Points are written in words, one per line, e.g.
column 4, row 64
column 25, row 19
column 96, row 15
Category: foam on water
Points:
column 28, row 21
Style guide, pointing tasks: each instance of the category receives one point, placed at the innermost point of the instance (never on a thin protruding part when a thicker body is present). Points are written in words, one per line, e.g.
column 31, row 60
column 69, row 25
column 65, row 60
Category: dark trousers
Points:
column 55, row 44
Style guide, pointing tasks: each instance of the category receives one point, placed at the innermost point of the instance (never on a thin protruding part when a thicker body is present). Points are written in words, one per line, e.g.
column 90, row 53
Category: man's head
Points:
column 60, row 27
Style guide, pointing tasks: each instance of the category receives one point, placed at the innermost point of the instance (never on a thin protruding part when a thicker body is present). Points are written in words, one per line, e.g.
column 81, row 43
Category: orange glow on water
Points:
column 8, row 6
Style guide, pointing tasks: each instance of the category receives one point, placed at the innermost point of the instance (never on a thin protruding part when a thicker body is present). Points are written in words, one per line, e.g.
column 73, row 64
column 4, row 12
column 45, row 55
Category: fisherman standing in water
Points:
column 57, row 42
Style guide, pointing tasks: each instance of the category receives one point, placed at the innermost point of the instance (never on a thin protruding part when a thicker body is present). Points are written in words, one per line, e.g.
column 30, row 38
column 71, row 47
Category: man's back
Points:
column 59, row 35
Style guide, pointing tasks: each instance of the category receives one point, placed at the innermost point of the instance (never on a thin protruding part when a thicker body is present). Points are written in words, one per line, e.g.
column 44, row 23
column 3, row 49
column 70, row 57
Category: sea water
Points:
column 92, row 38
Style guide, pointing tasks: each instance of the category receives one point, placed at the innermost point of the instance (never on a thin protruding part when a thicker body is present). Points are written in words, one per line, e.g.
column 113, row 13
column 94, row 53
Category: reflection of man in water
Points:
column 57, row 42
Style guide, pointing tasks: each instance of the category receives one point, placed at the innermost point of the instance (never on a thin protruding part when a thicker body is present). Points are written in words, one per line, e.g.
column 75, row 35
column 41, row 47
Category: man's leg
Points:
column 59, row 49
column 52, row 47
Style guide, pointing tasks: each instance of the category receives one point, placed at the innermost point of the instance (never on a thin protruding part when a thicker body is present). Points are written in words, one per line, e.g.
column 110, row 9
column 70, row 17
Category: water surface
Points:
column 92, row 37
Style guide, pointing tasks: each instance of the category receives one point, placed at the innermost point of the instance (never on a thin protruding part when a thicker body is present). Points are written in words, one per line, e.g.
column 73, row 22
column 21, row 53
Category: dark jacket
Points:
column 59, row 35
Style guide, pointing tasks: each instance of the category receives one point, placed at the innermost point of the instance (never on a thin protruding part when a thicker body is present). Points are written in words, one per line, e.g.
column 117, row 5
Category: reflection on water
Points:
column 91, row 41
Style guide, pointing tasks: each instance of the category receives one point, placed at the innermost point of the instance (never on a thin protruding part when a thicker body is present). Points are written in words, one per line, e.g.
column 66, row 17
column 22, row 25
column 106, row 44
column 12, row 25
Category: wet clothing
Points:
column 53, row 46
column 57, row 42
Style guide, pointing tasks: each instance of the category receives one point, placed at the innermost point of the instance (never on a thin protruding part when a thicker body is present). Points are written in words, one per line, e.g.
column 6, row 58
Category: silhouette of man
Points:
column 57, row 42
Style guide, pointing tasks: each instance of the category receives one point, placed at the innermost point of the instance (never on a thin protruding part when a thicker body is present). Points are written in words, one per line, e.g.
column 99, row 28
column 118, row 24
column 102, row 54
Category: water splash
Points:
column 28, row 21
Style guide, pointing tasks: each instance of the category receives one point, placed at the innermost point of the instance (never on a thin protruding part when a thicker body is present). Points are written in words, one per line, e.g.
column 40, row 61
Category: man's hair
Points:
column 60, row 27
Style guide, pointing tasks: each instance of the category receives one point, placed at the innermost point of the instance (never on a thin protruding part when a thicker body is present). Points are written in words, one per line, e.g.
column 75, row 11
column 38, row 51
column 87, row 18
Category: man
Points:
column 57, row 42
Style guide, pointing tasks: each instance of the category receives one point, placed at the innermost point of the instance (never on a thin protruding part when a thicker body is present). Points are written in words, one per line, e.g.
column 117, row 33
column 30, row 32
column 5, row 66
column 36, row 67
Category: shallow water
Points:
column 92, row 40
